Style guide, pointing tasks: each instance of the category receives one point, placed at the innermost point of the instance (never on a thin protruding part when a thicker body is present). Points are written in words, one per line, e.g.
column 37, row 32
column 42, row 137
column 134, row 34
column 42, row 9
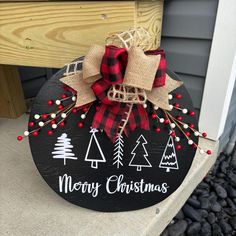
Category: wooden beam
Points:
column 50, row 34
column 12, row 103
column 149, row 15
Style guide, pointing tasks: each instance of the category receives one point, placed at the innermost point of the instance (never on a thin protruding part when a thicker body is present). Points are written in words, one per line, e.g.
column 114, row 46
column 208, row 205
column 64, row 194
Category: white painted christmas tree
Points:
column 140, row 154
column 169, row 159
column 118, row 151
column 97, row 154
column 63, row 149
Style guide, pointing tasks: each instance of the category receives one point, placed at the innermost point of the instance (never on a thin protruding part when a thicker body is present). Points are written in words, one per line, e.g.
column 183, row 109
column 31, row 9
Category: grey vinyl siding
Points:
column 33, row 78
column 187, row 32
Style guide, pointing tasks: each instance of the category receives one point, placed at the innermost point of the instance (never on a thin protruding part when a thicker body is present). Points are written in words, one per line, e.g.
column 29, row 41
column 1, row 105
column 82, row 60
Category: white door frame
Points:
column 221, row 72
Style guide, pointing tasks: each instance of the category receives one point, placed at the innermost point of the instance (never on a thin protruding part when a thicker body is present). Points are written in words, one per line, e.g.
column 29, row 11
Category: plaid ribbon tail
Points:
column 138, row 119
column 109, row 119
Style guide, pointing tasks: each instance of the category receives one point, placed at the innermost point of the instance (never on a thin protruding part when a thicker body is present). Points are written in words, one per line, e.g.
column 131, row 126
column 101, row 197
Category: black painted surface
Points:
column 81, row 171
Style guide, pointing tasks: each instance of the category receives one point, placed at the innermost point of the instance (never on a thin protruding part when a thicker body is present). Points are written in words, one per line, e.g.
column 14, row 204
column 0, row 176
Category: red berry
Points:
column 50, row 132
column 187, row 134
column 204, row 134
column 176, row 105
column 74, row 110
column 19, row 138
column 158, row 130
column 154, row 116
column 179, row 118
column 178, row 147
column 166, row 121
column 62, row 124
column 97, row 108
column 80, row 124
column 191, row 126
column 178, row 96
column 52, row 122
column 173, row 134
column 35, row 133
column 85, row 109
column 208, row 152
column 63, row 96
column 31, row 124
column 191, row 113
column 60, row 107
column 50, row 102
column 44, row 116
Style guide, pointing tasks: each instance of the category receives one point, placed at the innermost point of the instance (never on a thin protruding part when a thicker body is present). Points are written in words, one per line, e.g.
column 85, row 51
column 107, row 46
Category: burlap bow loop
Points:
column 92, row 63
column 141, row 69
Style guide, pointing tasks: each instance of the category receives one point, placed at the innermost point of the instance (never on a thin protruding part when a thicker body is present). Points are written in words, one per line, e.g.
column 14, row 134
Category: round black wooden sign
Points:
column 85, row 168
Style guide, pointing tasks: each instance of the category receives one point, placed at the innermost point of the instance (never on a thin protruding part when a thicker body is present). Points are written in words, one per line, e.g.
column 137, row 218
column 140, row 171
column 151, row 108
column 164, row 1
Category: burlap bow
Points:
column 134, row 72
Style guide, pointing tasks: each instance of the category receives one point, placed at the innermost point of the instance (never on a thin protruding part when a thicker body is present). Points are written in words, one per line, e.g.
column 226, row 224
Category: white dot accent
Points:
column 156, row 107
column 201, row 151
column 63, row 115
column 73, row 98
column 184, row 111
column 171, row 107
column 177, row 139
column 172, row 125
column 190, row 142
column 58, row 102
column 144, row 105
column 161, row 120
column 170, row 96
column 54, row 126
column 36, row 116
column 196, row 133
column 53, row 115
column 185, row 126
column 41, row 124
column 26, row 133
column 83, row 116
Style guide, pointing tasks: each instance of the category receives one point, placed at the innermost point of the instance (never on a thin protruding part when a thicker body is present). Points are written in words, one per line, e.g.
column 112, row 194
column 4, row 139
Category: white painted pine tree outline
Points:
column 139, row 167
column 118, row 151
column 168, row 164
column 63, row 149
column 94, row 162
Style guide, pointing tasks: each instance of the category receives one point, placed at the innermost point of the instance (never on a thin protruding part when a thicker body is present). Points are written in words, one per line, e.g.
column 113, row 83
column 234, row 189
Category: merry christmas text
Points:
column 114, row 184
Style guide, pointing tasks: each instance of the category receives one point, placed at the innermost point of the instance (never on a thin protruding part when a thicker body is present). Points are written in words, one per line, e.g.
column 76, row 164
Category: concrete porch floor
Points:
column 29, row 207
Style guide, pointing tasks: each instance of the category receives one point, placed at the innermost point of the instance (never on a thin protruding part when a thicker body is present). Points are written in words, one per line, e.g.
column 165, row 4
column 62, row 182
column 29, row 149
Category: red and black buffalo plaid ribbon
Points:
column 110, row 114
